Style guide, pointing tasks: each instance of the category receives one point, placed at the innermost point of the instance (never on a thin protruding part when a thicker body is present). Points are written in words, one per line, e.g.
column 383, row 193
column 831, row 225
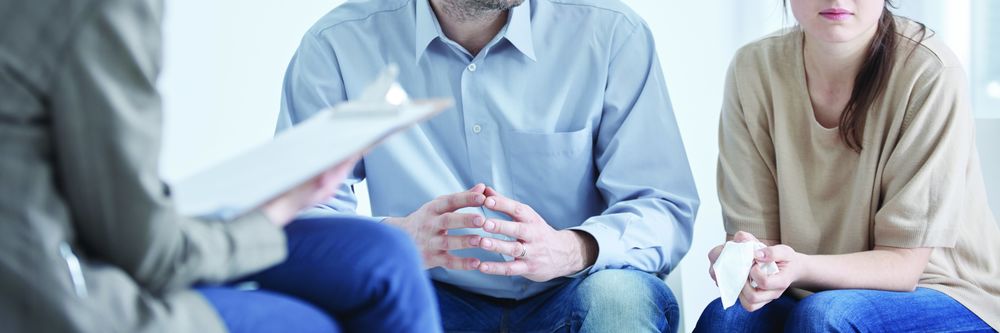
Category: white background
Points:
column 225, row 59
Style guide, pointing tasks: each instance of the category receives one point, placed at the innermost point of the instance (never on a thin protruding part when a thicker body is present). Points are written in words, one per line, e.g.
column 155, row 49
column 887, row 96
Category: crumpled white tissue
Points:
column 733, row 267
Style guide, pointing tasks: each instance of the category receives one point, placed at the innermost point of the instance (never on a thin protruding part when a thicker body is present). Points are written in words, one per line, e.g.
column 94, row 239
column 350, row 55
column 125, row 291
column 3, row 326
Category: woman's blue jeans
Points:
column 850, row 310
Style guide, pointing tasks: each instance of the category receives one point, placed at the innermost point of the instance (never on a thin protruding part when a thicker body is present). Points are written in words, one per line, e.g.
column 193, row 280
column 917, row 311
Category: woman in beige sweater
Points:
column 847, row 146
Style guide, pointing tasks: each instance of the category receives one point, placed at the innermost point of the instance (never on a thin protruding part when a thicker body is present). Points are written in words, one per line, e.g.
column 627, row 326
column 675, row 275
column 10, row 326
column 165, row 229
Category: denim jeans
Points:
column 612, row 300
column 341, row 274
column 849, row 310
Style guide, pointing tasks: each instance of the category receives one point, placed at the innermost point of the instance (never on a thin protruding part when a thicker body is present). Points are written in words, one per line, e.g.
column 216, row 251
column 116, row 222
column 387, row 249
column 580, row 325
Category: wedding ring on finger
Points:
column 524, row 251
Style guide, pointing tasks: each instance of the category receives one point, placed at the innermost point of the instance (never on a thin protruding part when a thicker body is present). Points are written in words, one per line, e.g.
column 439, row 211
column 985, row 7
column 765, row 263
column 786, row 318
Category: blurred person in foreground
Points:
column 89, row 238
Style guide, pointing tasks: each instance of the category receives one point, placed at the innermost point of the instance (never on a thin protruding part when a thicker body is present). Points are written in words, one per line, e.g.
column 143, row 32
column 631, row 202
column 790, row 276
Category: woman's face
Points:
column 838, row 21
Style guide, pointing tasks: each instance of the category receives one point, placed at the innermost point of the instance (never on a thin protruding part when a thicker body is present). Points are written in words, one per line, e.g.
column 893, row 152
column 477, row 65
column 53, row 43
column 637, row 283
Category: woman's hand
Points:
column 282, row 210
column 771, row 287
column 713, row 255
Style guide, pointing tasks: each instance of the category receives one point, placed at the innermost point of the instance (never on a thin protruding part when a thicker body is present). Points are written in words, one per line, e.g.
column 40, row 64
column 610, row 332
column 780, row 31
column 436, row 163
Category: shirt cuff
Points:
column 610, row 250
column 257, row 243
column 316, row 212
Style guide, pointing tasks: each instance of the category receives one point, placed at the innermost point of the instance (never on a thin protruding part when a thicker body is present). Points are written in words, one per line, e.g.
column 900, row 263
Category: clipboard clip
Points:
column 383, row 97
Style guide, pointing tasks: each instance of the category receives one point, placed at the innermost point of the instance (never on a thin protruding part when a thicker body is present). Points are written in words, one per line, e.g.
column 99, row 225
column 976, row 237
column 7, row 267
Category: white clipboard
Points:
column 238, row 185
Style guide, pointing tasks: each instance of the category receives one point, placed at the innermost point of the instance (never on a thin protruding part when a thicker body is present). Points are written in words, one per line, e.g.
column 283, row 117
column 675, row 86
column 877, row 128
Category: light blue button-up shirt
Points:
column 565, row 110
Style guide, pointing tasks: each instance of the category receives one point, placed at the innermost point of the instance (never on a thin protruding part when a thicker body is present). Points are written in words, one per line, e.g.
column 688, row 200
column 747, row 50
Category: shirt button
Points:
column 472, row 67
column 476, row 128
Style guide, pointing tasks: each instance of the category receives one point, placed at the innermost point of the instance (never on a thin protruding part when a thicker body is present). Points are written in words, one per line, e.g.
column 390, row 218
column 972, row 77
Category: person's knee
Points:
column 712, row 318
column 625, row 298
column 383, row 244
column 392, row 239
column 382, row 255
column 393, row 249
column 714, row 310
column 827, row 311
column 266, row 311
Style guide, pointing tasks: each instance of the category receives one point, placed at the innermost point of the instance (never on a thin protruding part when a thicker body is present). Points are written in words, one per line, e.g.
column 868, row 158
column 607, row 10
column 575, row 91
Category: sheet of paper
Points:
column 732, row 269
column 243, row 183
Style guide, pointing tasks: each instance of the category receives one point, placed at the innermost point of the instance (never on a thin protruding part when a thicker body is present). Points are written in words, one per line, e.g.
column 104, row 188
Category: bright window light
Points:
column 993, row 90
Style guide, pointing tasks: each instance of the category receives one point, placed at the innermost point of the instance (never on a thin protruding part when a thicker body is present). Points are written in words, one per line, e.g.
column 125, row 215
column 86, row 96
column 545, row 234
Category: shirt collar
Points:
column 428, row 28
column 517, row 31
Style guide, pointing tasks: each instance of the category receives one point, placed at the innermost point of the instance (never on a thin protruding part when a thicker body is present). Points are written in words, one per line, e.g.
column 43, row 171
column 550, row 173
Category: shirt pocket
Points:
column 550, row 171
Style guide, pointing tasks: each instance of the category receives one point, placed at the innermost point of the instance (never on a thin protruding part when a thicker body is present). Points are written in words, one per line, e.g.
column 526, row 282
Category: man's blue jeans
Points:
column 341, row 274
column 607, row 301
column 850, row 310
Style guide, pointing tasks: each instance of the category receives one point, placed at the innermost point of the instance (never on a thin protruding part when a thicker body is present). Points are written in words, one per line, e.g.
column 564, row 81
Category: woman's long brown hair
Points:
column 873, row 79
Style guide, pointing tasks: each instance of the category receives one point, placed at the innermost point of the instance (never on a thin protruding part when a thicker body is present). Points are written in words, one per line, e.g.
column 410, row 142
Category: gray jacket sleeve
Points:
column 106, row 124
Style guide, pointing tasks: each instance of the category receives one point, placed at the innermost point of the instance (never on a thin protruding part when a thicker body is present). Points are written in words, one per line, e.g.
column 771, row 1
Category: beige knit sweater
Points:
column 916, row 183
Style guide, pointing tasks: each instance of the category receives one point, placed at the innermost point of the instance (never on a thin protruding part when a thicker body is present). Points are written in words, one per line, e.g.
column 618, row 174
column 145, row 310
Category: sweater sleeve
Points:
column 746, row 171
column 924, row 180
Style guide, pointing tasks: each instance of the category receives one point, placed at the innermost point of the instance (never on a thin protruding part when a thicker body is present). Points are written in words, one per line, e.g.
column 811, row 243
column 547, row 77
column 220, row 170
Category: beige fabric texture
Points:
column 916, row 183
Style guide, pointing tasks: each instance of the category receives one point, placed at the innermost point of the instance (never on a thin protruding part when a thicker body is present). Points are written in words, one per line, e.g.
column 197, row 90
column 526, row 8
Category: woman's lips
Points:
column 836, row 14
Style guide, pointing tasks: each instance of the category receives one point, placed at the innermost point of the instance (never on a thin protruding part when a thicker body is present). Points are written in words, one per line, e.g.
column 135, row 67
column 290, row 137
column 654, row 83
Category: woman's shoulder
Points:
column 776, row 50
column 921, row 52
column 782, row 41
column 768, row 61
column 926, row 70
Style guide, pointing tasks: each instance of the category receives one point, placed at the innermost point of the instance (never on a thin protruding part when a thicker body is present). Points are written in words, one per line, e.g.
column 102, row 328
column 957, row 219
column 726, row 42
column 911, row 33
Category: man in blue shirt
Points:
column 555, row 192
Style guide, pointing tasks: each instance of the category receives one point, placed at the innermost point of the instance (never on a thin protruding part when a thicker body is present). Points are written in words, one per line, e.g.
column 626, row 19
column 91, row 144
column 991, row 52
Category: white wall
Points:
column 988, row 132
column 696, row 41
column 221, row 82
column 225, row 60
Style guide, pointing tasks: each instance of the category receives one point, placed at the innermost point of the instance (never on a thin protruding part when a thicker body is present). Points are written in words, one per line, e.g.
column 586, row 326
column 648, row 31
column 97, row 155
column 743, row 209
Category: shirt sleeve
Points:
column 924, row 181
column 312, row 83
column 106, row 136
column 746, row 174
column 643, row 169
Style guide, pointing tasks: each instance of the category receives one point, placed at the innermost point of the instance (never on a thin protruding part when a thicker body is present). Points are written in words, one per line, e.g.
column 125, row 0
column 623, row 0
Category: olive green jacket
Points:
column 89, row 239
